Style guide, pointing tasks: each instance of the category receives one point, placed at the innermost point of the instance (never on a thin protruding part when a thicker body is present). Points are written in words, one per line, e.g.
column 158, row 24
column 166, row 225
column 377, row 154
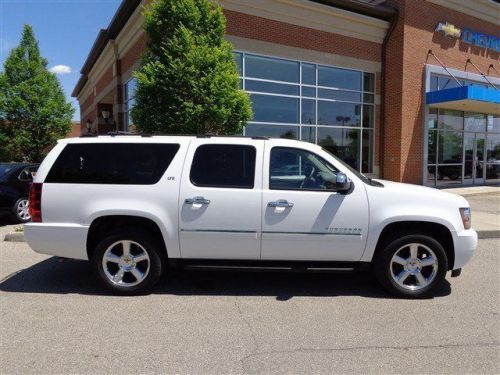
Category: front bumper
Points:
column 465, row 242
column 63, row 240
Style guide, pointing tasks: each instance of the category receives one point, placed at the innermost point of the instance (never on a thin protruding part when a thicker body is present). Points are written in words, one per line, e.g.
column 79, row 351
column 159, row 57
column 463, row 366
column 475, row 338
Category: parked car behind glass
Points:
column 15, row 182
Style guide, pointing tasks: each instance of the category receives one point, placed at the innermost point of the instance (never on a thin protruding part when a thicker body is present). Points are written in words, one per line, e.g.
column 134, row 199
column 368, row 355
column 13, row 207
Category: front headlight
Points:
column 465, row 213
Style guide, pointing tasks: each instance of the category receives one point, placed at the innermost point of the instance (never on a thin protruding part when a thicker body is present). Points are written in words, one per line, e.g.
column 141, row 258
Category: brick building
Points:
column 404, row 90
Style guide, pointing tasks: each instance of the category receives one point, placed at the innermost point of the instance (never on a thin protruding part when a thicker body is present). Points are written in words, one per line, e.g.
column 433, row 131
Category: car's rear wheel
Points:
column 21, row 210
column 128, row 262
column 411, row 266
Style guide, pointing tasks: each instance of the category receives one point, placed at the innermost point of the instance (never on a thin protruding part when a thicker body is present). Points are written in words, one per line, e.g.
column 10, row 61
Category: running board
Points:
column 266, row 265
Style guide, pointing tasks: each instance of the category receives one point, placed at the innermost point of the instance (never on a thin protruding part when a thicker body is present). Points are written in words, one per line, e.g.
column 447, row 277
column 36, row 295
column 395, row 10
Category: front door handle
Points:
column 197, row 200
column 280, row 203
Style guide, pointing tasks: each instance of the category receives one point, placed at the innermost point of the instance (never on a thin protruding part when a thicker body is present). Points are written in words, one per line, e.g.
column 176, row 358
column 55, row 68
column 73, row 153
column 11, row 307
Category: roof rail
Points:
column 208, row 135
column 120, row 132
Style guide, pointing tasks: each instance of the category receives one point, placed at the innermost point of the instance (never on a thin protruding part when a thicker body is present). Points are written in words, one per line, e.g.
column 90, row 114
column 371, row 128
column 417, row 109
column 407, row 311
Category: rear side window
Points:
column 229, row 166
column 112, row 163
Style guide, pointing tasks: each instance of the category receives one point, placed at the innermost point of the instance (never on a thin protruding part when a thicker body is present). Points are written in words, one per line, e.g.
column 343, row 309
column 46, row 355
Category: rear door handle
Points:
column 197, row 200
column 280, row 203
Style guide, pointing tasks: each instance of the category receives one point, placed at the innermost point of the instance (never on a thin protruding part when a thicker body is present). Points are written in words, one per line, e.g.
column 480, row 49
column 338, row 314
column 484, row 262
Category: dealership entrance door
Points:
column 474, row 158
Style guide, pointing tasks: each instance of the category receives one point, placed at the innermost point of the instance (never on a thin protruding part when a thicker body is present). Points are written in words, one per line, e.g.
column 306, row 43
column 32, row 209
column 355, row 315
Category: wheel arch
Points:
column 108, row 223
column 438, row 231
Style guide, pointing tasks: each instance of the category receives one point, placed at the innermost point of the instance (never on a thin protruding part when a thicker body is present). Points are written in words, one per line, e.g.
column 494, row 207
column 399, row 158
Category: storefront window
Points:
column 432, row 146
column 450, row 147
column 461, row 155
column 129, row 101
column 339, row 78
column 493, row 123
column 338, row 113
column 341, row 142
column 366, row 154
column 462, row 147
column 308, row 134
column 493, row 158
column 308, row 111
column 274, row 131
column 275, row 108
column 309, row 74
column 475, row 122
column 451, row 120
column 316, row 103
column 271, row 68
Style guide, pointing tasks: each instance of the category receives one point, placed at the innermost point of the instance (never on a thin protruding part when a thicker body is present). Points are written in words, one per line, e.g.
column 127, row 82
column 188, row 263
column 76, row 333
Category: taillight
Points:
column 35, row 204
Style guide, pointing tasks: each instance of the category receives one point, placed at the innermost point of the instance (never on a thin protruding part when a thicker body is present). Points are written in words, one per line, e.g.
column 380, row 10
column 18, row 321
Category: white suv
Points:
column 134, row 206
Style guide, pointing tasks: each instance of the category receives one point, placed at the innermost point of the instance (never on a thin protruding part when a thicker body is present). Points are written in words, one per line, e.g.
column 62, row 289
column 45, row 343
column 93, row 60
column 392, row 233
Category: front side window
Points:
column 112, row 163
column 296, row 169
column 224, row 166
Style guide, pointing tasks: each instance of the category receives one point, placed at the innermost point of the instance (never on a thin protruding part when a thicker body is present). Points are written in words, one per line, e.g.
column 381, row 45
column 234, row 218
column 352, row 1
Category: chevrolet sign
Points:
column 448, row 30
column 469, row 36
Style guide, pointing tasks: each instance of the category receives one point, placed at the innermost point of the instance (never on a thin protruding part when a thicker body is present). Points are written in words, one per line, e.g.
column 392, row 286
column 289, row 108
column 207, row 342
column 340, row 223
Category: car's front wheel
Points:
column 411, row 266
column 21, row 210
column 128, row 262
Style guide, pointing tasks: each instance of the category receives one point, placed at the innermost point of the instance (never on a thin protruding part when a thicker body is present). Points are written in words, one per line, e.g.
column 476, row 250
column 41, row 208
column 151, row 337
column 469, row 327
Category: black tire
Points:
column 147, row 244
column 383, row 267
column 20, row 215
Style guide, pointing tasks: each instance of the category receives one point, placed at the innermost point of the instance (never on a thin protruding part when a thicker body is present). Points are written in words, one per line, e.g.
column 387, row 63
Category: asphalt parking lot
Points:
column 55, row 319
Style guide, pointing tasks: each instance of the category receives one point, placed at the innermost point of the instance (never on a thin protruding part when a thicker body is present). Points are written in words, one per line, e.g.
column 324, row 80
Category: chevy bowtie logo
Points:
column 448, row 30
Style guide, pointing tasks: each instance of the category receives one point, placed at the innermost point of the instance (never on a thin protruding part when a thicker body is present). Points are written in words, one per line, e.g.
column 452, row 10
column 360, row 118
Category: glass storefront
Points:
column 330, row 106
column 463, row 148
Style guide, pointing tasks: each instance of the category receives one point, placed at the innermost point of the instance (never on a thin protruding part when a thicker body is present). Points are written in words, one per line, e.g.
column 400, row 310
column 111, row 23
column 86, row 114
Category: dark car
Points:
column 15, row 182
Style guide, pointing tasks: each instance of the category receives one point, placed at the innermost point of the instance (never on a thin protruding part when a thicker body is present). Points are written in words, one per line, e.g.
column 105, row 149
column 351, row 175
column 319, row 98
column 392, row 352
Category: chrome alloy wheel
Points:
column 126, row 263
column 414, row 266
column 22, row 210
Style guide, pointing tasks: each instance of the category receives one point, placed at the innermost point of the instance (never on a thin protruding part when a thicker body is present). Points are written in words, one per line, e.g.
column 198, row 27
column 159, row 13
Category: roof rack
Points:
column 207, row 135
column 120, row 132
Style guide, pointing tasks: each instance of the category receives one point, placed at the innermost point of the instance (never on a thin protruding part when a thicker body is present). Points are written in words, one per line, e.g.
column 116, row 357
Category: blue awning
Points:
column 466, row 98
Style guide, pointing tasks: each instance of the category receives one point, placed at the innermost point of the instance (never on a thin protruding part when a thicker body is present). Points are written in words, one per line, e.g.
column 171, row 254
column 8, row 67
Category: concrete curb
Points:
column 487, row 234
column 474, row 194
column 14, row 237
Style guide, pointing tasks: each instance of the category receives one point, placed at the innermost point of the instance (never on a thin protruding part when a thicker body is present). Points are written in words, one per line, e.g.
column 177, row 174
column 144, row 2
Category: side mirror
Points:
column 342, row 182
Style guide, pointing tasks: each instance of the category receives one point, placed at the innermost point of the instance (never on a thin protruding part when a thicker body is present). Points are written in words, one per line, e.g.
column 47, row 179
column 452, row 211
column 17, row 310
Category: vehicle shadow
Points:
column 59, row 276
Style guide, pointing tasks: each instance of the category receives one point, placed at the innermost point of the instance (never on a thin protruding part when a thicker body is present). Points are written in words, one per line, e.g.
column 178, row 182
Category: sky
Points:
column 65, row 30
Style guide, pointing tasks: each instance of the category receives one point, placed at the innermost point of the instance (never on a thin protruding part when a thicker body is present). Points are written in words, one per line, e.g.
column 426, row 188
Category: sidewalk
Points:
column 474, row 190
column 485, row 206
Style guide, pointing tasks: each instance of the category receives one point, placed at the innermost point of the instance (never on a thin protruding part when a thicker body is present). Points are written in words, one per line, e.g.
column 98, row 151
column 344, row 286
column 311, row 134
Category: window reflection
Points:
column 285, row 104
column 271, row 68
column 267, row 108
column 450, row 147
column 273, row 131
column 341, row 142
column 338, row 113
column 339, row 78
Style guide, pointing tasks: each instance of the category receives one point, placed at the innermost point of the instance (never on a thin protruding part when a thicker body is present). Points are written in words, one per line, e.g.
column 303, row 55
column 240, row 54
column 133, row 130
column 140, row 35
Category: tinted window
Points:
column 270, row 68
column 117, row 163
column 295, row 169
column 340, row 78
column 26, row 174
column 5, row 169
column 231, row 166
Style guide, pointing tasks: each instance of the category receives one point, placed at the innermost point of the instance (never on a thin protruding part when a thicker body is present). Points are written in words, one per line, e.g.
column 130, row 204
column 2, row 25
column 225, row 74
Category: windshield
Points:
column 361, row 176
column 4, row 170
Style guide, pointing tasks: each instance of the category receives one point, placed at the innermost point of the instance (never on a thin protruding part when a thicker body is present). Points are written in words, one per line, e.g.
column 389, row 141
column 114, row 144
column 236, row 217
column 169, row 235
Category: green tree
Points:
column 188, row 81
column 33, row 109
